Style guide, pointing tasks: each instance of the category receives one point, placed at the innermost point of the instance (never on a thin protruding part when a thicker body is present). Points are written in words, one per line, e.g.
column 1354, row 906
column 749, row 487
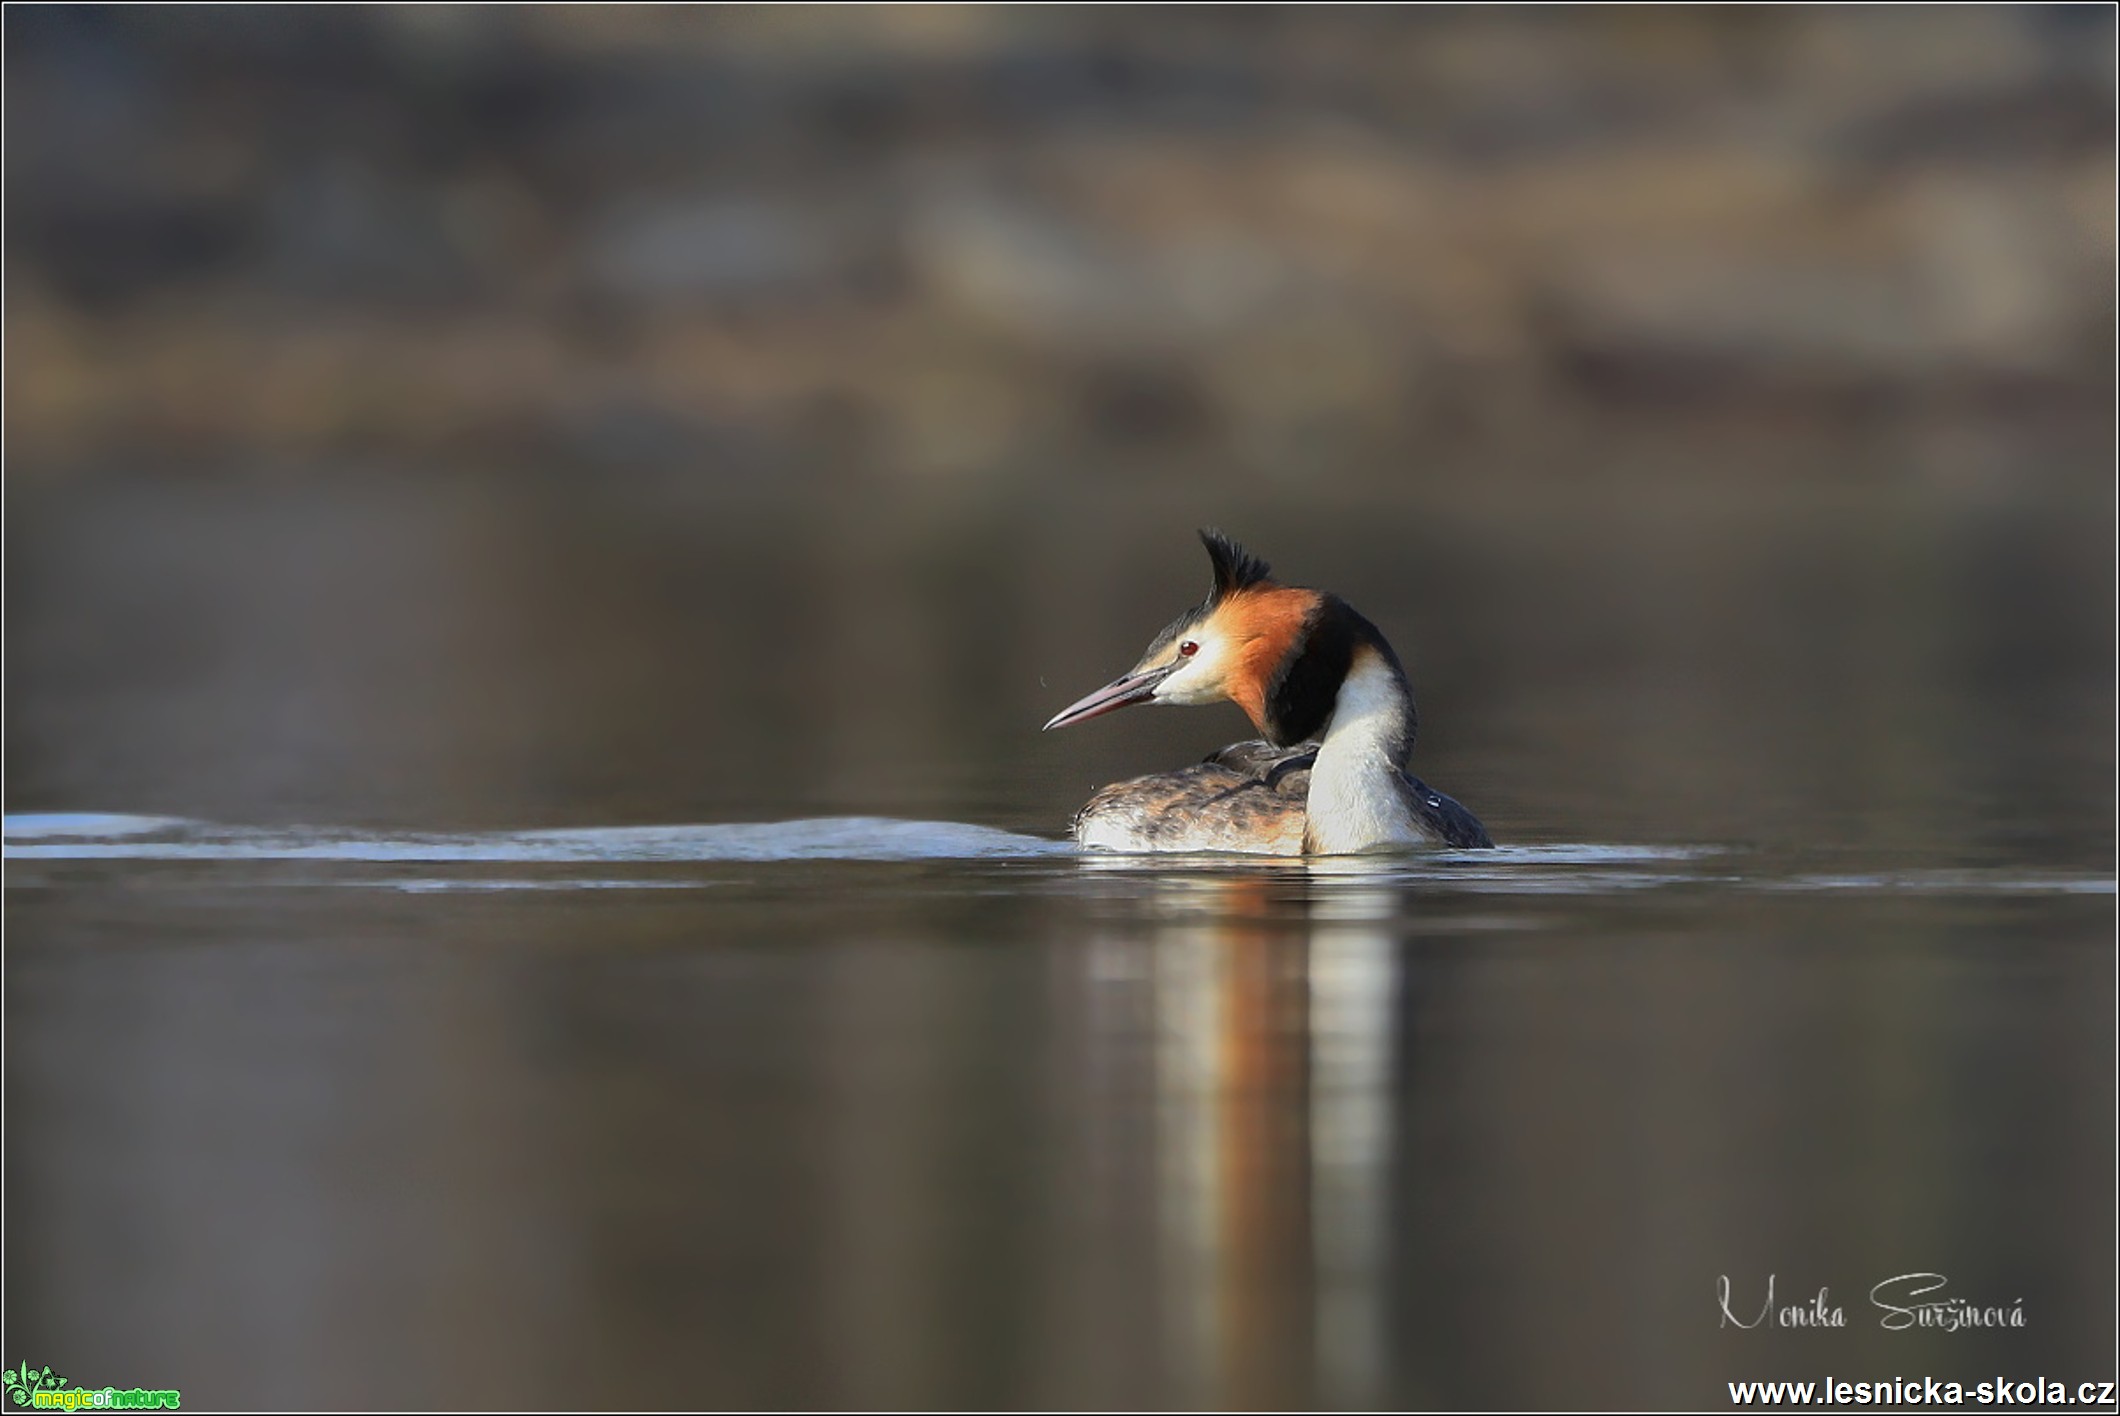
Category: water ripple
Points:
column 1514, row 870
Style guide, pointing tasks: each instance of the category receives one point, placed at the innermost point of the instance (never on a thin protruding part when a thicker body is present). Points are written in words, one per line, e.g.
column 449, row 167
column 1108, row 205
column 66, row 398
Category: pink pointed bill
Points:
column 1134, row 688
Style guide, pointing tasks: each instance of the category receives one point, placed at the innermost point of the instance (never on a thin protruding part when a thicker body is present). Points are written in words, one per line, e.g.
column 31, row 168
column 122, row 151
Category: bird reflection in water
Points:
column 1273, row 994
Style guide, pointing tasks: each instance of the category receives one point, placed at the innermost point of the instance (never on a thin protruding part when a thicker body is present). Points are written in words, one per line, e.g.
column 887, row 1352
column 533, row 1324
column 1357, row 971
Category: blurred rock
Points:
column 711, row 246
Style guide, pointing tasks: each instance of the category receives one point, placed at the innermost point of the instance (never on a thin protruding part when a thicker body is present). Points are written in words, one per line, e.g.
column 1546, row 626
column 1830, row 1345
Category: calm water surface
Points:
column 733, row 1115
column 388, row 1051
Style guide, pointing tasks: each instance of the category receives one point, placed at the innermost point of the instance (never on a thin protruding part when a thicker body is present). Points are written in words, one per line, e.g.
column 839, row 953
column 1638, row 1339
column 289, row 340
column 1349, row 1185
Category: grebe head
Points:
column 1279, row 652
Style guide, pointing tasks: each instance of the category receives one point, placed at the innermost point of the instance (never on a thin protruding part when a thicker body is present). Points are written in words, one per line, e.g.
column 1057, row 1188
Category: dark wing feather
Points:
column 1441, row 814
column 1261, row 759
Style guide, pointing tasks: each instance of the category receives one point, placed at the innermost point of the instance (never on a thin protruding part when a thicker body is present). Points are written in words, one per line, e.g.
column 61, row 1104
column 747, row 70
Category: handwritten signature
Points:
column 1903, row 1302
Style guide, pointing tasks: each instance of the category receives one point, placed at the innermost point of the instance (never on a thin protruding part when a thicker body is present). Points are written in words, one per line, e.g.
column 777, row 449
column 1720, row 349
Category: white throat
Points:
column 1357, row 802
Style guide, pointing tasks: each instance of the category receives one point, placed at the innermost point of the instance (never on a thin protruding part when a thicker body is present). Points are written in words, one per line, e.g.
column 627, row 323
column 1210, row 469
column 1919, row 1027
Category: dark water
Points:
column 611, row 1118
column 438, row 1072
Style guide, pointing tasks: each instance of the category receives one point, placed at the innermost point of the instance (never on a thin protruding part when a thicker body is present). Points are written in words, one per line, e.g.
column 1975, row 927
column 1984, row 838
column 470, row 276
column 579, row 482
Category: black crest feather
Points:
column 1235, row 568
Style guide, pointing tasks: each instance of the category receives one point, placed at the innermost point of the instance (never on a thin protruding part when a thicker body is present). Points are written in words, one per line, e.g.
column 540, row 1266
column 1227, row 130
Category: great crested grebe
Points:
column 1324, row 688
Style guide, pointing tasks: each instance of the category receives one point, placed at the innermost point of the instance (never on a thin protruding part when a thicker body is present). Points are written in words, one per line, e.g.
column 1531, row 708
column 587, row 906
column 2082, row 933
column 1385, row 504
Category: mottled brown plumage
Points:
column 1248, row 797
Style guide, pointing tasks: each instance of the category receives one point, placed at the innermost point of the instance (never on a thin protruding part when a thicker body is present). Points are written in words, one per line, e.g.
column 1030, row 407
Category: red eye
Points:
column 1188, row 648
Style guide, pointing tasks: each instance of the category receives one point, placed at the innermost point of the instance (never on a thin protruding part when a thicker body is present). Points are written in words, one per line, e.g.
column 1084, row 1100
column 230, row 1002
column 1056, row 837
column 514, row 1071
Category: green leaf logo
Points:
column 23, row 1382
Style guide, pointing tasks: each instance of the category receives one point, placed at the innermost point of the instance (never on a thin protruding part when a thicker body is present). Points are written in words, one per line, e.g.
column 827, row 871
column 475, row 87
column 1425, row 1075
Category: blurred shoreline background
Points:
column 970, row 242
column 434, row 415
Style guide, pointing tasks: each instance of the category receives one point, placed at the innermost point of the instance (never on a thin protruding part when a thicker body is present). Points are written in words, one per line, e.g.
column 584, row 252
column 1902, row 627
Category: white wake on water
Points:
column 90, row 836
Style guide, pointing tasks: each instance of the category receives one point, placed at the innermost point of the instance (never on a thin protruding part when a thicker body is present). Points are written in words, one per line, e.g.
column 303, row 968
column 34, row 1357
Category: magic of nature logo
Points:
column 42, row 1389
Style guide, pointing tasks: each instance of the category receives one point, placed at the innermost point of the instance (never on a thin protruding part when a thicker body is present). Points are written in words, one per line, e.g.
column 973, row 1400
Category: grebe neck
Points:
column 1357, row 786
